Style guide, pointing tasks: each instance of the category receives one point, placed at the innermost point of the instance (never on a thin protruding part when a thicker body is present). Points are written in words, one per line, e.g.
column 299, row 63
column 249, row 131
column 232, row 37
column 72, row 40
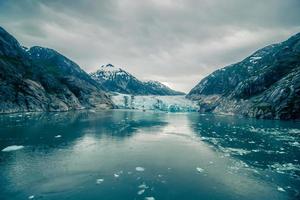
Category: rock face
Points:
column 41, row 79
column 264, row 85
column 114, row 79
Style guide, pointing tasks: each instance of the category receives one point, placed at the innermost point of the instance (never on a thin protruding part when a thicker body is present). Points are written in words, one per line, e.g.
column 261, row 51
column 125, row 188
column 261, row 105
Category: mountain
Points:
column 263, row 85
column 160, row 89
column 41, row 79
column 115, row 79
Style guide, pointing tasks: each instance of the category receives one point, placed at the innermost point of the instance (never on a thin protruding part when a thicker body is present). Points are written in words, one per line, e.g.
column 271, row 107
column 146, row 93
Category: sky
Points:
column 176, row 42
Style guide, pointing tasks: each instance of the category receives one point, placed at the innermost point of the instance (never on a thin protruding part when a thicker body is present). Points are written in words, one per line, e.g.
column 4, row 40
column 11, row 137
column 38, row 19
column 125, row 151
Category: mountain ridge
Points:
column 115, row 79
column 265, row 84
column 41, row 79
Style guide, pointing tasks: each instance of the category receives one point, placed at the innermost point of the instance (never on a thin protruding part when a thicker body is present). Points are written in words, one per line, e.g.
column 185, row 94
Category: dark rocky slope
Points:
column 41, row 79
column 114, row 79
column 264, row 85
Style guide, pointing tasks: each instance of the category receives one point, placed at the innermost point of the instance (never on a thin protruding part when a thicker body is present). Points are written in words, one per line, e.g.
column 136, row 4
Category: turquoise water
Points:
column 147, row 155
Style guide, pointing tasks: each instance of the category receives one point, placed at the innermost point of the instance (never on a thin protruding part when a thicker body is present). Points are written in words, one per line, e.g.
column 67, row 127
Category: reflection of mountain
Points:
column 72, row 125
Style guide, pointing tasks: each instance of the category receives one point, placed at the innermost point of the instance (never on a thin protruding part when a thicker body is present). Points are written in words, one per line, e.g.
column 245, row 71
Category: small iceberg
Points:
column 116, row 175
column 31, row 197
column 140, row 169
column 199, row 169
column 141, row 192
column 12, row 148
column 280, row 189
column 99, row 180
column 143, row 186
column 57, row 136
column 149, row 198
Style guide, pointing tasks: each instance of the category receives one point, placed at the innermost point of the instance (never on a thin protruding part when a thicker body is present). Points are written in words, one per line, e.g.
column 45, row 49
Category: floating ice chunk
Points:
column 295, row 144
column 140, row 169
column 116, row 175
column 12, row 148
column 143, row 186
column 199, row 169
column 280, row 189
column 57, row 136
column 31, row 197
column 149, row 198
column 141, row 192
column 235, row 151
column 99, row 180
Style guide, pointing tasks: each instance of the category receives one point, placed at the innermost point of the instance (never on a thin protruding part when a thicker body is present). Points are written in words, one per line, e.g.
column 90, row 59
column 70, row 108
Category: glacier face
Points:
column 177, row 103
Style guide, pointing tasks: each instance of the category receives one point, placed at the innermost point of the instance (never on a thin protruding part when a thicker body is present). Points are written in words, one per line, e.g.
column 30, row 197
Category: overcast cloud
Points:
column 176, row 42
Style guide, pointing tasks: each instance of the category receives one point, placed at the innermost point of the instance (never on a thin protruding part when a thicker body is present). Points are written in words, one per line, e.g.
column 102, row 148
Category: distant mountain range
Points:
column 264, row 85
column 41, row 79
column 114, row 79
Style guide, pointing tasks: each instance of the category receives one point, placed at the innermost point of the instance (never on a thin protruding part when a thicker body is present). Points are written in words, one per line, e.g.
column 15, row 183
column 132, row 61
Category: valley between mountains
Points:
column 38, row 79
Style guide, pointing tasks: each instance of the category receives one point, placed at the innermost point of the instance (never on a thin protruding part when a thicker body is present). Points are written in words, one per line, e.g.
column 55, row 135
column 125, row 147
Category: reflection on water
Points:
column 134, row 155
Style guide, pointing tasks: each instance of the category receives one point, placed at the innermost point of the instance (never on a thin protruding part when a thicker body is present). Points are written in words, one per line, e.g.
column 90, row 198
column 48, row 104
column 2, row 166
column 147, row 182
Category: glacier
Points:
column 176, row 103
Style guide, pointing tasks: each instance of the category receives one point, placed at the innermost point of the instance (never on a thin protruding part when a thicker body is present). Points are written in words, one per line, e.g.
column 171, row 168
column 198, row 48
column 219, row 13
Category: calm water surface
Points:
column 147, row 155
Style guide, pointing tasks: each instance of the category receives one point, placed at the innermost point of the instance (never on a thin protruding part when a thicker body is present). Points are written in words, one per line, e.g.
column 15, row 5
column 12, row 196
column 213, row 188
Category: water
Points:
column 147, row 155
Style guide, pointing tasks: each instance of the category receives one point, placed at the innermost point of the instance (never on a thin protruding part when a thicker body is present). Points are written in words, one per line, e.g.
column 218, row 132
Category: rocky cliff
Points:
column 264, row 85
column 41, row 79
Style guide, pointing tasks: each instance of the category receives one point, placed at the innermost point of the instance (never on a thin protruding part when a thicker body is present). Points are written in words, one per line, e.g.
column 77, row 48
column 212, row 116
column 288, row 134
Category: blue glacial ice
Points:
column 156, row 103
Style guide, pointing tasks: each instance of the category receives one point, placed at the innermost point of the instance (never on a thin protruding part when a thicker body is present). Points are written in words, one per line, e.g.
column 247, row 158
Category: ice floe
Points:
column 140, row 192
column 281, row 168
column 140, row 169
column 280, row 189
column 295, row 144
column 149, row 198
column 199, row 169
column 99, row 180
column 143, row 186
column 12, row 148
column 234, row 151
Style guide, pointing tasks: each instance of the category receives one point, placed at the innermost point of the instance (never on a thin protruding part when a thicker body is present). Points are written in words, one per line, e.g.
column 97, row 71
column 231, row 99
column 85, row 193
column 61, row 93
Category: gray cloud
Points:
column 175, row 42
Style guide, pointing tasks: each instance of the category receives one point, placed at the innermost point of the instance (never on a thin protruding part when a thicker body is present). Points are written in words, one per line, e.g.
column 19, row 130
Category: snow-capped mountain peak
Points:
column 109, row 68
column 115, row 79
column 108, row 72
